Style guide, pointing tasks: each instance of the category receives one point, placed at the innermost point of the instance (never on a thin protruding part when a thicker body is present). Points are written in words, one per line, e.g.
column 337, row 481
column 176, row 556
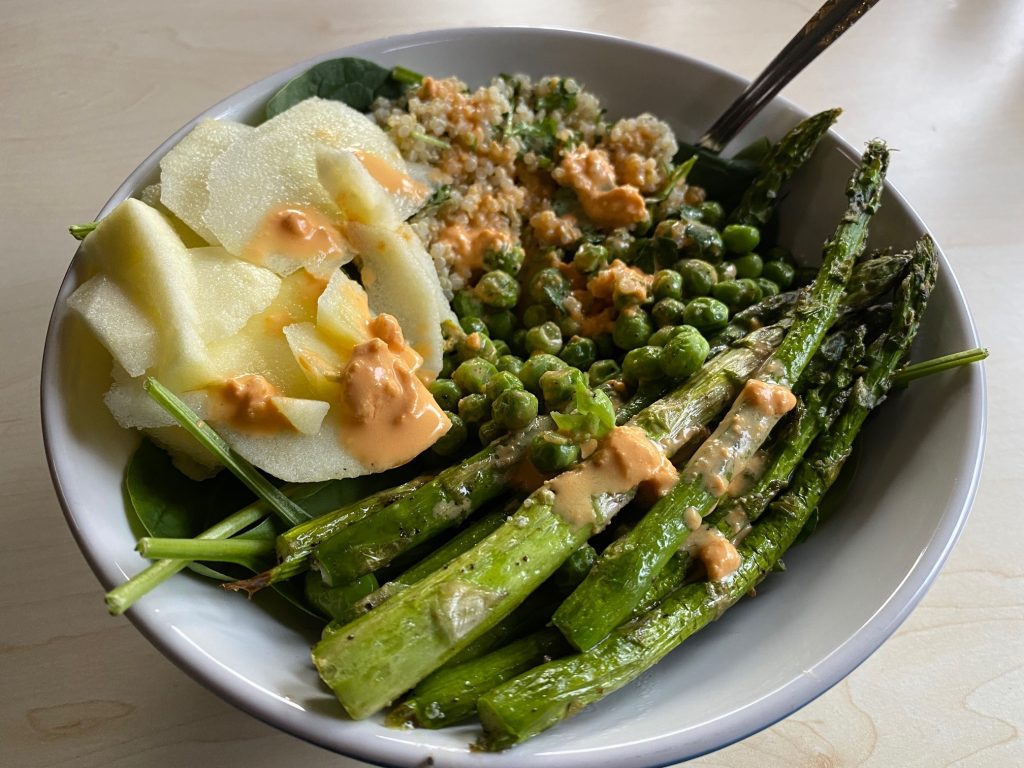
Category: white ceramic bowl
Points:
column 846, row 589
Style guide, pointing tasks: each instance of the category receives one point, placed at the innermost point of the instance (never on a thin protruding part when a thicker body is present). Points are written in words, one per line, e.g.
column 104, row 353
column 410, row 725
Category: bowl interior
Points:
column 845, row 591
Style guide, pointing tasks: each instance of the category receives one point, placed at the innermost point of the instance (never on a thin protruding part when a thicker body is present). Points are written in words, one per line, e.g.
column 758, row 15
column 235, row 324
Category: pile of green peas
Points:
column 519, row 353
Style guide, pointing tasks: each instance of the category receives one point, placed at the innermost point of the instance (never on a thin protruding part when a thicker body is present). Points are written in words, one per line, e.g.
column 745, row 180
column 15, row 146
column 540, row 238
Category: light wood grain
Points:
column 88, row 89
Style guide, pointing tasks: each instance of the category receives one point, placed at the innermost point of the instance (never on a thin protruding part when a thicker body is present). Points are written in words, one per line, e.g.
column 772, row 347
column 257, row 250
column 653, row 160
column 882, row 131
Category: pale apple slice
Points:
column 229, row 291
column 296, row 457
column 400, row 280
column 369, row 189
column 343, row 313
column 185, row 170
column 317, row 358
column 117, row 322
column 132, row 407
column 139, row 250
column 275, row 166
column 307, row 416
column 151, row 196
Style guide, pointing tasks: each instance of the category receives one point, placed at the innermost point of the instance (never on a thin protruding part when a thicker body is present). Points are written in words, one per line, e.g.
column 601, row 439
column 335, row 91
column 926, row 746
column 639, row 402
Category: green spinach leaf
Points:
column 357, row 82
column 724, row 179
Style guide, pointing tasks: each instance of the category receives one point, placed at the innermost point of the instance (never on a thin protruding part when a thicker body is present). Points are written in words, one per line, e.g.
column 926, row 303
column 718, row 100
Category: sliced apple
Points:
column 317, row 358
column 185, row 171
column 275, row 166
column 139, row 250
column 343, row 313
column 117, row 322
column 400, row 280
column 306, row 416
column 228, row 291
column 151, row 196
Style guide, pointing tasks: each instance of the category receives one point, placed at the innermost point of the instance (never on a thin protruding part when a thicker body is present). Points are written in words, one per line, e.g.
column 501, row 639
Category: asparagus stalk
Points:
column 247, row 552
column 617, row 584
column 372, row 661
column 442, row 503
column 938, row 364
column 337, row 603
column 758, row 203
column 540, row 698
column 449, row 696
column 295, row 545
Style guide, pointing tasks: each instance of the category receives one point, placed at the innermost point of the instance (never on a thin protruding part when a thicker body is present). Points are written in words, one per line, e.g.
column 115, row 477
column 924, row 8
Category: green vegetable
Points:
column 684, row 354
column 507, row 258
column 699, row 277
column 356, row 82
column 668, row 312
column 559, row 386
column 545, row 338
column 510, row 363
column 338, row 603
column 590, row 257
column 779, row 272
column 741, row 238
column 536, row 367
column 549, row 288
column 515, row 409
column 632, row 328
column 602, row 371
column 79, row 231
column 551, row 452
column 475, row 408
column 473, row 375
column 498, row 289
column 667, row 284
column 451, row 442
column 706, row 314
column 490, row 431
column 749, row 265
column 624, row 573
column 643, row 364
column 471, row 324
column 466, row 304
column 579, row 352
column 500, row 382
column 712, row 213
column 446, row 393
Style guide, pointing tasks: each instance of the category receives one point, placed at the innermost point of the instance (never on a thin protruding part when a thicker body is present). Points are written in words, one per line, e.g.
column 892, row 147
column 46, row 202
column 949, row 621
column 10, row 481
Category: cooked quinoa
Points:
column 525, row 163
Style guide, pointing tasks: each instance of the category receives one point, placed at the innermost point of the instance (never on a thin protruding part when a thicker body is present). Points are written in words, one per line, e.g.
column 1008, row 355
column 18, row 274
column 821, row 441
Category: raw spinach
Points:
column 356, row 82
column 724, row 179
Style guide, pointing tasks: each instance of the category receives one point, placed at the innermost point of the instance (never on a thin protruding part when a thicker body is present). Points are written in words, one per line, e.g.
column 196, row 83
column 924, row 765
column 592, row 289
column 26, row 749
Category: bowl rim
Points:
column 663, row 750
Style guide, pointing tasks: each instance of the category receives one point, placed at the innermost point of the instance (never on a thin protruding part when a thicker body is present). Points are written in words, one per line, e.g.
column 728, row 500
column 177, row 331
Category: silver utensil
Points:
column 823, row 29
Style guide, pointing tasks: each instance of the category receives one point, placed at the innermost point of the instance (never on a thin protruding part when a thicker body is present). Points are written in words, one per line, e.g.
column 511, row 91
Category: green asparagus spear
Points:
column 449, row 695
column 758, row 203
column 441, row 504
column 622, row 576
column 295, row 545
column 338, row 603
column 538, row 699
column 371, row 661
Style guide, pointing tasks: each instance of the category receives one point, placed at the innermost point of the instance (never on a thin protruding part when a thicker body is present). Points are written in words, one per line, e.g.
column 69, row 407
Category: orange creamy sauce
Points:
column 718, row 555
column 618, row 280
column 298, row 232
column 469, row 244
column 387, row 414
column 625, row 458
column 591, row 174
column 392, row 179
column 245, row 403
column 757, row 410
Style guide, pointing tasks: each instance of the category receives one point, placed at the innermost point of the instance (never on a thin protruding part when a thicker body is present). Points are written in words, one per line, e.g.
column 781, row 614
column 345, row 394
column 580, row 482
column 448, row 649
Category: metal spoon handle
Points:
column 821, row 30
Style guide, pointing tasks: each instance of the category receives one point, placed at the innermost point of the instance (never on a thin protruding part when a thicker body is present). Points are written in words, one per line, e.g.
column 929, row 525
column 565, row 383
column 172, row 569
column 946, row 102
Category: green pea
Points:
column 642, row 364
column 537, row 366
column 579, row 352
column 473, row 324
column 474, row 409
column 668, row 312
column 507, row 258
column 632, row 328
column 702, row 242
column 534, row 315
column 698, row 277
column 729, row 292
column 545, row 338
column 663, row 336
column 768, row 287
column 498, row 289
column 451, row 441
column 668, row 284
column 602, row 371
column 549, row 287
column 501, row 324
column 510, row 363
column 501, row 381
column 476, row 345
column 558, row 387
column 515, row 409
column 779, row 272
column 726, row 271
column 740, row 238
column 568, row 326
column 780, row 253
column 712, row 213
column 751, row 291
column 465, row 304
column 590, row 257
column 551, row 452
column 684, row 354
column 749, row 265
column 689, row 213
column 706, row 314
column 472, row 376
column 490, row 431
column 446, row 393
column 501, row 347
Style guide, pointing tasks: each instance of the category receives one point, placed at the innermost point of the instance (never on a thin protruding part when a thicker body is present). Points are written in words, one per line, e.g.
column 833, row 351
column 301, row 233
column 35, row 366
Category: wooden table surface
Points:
column 89, row 88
